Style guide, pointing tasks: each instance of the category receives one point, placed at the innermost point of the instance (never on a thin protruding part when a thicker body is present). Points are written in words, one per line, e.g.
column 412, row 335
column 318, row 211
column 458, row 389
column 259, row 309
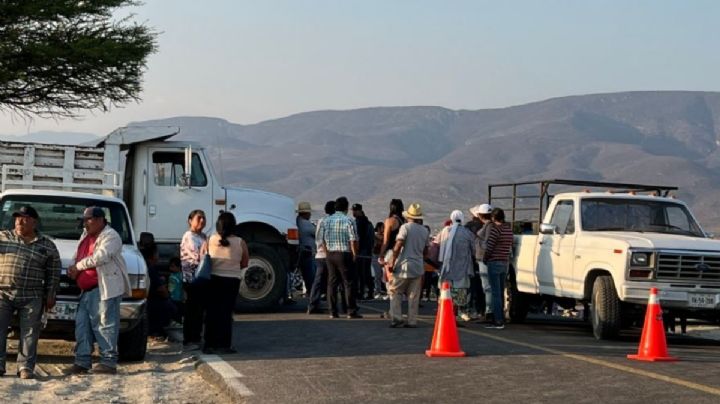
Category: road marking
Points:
column 628, row 369
column 588, row 359
column 228, row 373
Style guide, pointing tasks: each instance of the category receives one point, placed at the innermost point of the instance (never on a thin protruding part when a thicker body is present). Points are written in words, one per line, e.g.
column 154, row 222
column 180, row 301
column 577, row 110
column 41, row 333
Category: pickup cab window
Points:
column 563, row 217
column 169, row 169
column 640, row 215
column 60, row 216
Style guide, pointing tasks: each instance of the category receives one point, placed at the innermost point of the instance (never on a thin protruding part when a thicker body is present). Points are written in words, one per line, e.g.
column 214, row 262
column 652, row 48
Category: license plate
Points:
column 703, row 300
column 63, row 311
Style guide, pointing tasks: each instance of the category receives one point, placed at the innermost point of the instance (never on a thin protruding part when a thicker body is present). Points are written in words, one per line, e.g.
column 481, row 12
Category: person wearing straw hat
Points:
column 306, row 248
column 456, row 257
column 407, row 265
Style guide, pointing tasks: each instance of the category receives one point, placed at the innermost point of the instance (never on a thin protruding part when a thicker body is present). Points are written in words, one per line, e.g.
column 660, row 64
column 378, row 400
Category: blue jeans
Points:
column 97, row 321
column 485, row 280
column 497, row 272
column 306, row 262
column 29, row 314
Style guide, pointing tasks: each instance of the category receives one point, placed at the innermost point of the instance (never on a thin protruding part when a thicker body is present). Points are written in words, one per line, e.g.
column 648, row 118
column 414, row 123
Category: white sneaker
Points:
column 465, row 317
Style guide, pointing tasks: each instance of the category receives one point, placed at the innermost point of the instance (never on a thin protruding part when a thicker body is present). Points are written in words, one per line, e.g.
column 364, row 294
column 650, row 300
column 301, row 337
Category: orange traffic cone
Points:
column 445, row 342
column 653, row 347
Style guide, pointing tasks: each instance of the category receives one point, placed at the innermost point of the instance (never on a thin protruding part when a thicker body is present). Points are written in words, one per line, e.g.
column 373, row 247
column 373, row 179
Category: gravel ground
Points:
column 166, row 376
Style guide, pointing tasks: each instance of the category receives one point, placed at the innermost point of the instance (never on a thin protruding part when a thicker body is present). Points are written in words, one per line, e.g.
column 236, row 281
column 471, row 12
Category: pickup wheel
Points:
column 132, row 345
column 264, row 282
column 605, row 309
column 516, row 303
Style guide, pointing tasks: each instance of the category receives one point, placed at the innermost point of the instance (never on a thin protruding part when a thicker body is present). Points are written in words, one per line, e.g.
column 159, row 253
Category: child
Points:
column 175, row 288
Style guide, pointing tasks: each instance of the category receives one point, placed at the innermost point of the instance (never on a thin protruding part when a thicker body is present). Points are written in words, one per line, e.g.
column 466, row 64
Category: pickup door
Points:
column 556, row 252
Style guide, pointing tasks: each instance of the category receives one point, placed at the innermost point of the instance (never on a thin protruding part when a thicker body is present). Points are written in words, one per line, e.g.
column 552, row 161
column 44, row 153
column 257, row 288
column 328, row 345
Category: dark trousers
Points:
column 364, row 277
column 319, row 284
column 306, row 263
column 429, row 283
column 220, row 307
column 341, row 268
column 160, row 312
column 195, row 306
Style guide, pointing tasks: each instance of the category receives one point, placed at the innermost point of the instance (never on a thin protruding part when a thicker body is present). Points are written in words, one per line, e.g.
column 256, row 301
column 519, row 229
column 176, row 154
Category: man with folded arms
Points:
column 29, row 278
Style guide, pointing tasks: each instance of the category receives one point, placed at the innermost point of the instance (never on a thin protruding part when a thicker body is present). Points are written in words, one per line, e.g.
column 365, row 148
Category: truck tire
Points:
column 605, row 309
column 263, row 286
column 132, row 345
column 516, row 303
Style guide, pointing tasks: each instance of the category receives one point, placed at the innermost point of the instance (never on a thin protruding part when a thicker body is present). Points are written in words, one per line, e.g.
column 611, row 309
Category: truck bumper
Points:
column 688, row 298
column 131, row 314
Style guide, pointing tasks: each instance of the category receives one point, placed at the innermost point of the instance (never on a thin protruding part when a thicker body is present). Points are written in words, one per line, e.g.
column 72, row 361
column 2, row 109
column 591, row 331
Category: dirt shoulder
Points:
column 166, row 376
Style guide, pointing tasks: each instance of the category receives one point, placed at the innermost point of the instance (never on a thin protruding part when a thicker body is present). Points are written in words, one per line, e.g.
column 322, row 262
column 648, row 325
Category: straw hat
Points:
column 303, row 207
column 414, row 211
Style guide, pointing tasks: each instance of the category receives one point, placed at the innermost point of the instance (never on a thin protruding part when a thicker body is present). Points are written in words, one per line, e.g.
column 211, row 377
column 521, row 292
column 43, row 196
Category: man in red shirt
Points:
column 101, row 273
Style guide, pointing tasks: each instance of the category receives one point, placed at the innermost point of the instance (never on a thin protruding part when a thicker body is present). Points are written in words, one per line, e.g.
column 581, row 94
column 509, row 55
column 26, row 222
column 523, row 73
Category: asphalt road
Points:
column 291, row 357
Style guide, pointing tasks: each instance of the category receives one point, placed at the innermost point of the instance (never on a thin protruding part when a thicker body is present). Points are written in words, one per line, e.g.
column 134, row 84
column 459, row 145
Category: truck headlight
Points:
column 640, row 259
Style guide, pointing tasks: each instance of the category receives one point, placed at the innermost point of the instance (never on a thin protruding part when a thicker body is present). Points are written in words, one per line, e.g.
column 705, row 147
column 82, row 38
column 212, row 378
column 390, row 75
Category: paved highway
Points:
column 292, row 357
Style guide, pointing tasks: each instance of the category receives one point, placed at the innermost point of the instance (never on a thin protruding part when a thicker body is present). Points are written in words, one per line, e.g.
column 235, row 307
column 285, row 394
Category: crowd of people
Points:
column 345, row 258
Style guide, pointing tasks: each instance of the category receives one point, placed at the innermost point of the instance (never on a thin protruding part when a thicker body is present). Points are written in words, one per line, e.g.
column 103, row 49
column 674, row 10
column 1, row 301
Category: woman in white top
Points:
column 229, row 255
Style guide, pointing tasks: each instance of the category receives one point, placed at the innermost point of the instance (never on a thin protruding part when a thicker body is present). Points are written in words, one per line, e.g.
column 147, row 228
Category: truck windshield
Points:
column 641, row 215
column 59, row 215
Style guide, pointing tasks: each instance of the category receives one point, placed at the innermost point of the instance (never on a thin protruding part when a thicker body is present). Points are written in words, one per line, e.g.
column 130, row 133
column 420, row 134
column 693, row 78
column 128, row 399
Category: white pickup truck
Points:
column 606, row 249
column 161, row 182
column 59, row 212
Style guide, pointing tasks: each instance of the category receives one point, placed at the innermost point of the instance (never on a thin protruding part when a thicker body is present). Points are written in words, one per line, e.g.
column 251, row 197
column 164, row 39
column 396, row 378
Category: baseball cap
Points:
column 26, row 211
column 356, row 206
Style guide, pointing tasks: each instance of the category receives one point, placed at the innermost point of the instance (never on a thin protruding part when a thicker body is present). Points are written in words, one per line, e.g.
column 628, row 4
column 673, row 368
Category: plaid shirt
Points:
column 28, row 270
column 337, row 231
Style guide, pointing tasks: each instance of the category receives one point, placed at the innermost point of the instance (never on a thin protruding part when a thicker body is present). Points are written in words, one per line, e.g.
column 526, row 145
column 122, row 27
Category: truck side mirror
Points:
column 546, row 228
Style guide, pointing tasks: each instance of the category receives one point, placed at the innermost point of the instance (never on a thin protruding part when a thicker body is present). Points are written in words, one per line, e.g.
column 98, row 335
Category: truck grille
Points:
column 688, row 267
column 68, row 287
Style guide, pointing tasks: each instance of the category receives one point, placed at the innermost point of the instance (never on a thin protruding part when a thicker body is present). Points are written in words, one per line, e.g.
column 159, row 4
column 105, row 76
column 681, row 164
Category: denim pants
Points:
column 497, row 272
column 29, row 313
column 306, row 262
column 97, row 321
column 319, row 285
column 487, row 290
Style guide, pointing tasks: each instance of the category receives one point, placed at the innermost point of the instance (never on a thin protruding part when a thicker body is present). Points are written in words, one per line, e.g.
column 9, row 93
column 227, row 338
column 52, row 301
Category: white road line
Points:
column 228, row 373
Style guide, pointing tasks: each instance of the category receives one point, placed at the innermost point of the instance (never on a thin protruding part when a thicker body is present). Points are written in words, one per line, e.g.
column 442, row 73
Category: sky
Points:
column 248, row 61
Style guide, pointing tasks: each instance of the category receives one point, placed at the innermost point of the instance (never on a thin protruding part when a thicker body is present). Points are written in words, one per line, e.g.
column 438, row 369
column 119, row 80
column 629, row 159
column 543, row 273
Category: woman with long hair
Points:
column 391, row 228
column 230, row 257
column 191, row 252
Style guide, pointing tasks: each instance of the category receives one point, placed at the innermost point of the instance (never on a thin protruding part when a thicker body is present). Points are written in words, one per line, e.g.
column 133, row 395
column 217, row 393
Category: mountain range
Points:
column 445, row 158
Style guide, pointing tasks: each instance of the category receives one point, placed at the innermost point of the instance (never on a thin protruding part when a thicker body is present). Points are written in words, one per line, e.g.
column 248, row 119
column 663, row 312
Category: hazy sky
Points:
column 249, row 61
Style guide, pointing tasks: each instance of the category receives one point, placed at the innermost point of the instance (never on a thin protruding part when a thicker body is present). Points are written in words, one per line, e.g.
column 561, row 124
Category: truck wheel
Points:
column 264, row 282
column 132, row 345
column 605, row 309
column 516, row 303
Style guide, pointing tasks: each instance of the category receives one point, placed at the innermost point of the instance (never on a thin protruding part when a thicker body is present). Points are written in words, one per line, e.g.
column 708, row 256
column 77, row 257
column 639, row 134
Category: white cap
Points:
column 483, row 209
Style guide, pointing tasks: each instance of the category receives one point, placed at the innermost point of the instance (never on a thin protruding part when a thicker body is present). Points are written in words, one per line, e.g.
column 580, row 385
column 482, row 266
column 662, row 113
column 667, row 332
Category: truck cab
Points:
column 606, row 249
column 163, row 181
